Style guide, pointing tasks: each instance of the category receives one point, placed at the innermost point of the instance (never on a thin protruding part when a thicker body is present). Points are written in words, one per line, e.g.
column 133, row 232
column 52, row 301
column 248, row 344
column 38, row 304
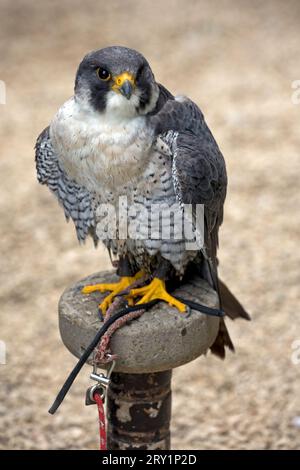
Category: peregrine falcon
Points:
column 125, row 137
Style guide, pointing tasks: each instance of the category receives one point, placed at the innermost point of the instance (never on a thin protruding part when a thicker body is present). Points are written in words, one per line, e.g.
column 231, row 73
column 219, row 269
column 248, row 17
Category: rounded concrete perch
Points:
column 161, row 339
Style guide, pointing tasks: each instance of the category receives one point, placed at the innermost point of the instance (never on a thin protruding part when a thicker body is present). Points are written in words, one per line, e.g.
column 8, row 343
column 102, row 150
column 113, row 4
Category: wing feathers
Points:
column 199, row 177
column 75, row 200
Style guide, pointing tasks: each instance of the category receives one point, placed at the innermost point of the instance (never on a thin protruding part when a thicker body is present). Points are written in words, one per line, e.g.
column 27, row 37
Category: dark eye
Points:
column 103, row 74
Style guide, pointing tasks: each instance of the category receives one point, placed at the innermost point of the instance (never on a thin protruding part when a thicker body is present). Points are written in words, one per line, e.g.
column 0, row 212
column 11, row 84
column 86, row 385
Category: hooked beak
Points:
column 126, row 89
column 124, row 84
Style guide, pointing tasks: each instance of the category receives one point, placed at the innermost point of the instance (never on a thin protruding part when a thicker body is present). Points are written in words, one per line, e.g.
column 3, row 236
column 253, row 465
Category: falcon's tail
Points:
column 233, row 309
column 222, row 340
column 228, row 303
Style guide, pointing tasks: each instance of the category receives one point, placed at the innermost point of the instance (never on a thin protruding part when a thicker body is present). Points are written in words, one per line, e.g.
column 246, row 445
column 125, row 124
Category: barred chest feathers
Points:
column 100, row 152
column 115, row 157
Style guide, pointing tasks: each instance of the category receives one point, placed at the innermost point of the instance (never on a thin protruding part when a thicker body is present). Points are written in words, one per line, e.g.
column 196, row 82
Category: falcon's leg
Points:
column 127, row 278
column 157, row 289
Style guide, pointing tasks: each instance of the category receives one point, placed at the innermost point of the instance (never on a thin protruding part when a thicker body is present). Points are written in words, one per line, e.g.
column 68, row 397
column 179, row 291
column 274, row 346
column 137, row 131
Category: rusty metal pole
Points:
column 139, row 411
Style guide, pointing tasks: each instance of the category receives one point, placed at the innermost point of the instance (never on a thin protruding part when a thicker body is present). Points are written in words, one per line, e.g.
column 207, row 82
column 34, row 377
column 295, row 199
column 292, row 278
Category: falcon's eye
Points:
column 103, row 74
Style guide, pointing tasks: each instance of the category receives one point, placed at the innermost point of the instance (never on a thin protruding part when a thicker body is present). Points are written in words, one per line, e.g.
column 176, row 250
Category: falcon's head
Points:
column 118, row 81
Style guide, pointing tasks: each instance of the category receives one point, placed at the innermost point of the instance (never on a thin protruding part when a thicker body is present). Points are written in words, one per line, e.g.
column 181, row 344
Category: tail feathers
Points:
column 230, row 304
column 222, row 340
column 233, row 309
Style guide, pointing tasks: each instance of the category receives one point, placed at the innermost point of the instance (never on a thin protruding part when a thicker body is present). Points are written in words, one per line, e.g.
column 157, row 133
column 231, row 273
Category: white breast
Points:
column 100, row 151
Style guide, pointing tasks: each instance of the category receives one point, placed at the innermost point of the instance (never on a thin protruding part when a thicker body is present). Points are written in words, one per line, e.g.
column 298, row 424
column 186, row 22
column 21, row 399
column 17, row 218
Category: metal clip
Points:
column 102, row 384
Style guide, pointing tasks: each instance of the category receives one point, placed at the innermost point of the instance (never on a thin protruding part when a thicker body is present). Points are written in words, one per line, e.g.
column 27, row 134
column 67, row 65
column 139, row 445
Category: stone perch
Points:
column 148, row 348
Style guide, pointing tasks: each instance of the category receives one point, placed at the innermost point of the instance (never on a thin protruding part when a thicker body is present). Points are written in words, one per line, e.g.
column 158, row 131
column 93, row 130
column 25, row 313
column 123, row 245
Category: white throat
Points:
column 119, row 108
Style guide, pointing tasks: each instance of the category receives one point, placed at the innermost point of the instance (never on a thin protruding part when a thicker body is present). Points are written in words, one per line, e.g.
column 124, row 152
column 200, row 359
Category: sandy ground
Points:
column 237, row 60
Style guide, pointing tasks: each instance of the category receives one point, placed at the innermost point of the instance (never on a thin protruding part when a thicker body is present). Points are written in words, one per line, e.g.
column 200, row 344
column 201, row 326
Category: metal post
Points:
column 139, row 411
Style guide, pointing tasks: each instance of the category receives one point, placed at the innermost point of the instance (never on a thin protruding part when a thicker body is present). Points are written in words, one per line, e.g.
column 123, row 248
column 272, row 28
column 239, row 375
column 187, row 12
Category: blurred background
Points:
column 237, row 60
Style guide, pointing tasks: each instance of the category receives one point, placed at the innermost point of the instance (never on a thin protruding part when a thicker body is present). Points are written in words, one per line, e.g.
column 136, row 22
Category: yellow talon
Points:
column 155, row 290
column 114, row 287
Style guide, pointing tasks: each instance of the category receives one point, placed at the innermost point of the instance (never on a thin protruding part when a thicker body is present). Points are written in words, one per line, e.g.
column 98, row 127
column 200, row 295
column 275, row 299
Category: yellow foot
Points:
column 155, row 290
column 114, row 287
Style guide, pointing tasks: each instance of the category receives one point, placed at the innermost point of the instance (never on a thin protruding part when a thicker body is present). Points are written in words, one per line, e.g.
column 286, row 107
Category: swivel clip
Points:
column 101, row 385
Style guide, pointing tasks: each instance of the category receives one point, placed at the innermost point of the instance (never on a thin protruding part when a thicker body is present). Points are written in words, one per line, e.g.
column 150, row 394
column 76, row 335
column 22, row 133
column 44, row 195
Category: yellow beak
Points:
column 124, row 84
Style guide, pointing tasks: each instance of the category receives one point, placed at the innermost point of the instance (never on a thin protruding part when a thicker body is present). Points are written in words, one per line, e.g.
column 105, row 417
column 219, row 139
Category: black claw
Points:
column 101, row 317
column 123, row 292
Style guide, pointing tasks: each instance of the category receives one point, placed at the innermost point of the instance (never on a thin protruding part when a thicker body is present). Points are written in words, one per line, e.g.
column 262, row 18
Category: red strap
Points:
column 102, row 430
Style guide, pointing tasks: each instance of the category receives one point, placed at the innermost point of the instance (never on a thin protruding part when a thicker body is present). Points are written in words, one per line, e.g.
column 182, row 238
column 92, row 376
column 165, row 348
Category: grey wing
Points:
column 76, row 201
column 198, row 167
column 199, row 177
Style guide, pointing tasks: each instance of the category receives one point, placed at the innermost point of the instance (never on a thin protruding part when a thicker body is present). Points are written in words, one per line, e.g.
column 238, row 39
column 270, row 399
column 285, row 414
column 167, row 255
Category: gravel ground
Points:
column 237, row 60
